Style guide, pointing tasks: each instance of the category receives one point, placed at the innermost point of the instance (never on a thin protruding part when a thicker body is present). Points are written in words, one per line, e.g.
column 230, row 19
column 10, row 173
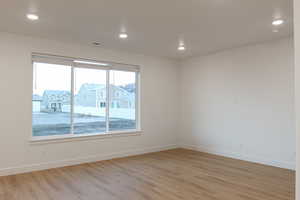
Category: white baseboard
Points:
column 237, row 155
column 75, row 161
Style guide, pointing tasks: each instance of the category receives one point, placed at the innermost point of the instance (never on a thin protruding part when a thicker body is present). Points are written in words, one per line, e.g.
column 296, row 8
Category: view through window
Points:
column 122, row 100
column 69, row 99
column 51, row 99
column 89, row 101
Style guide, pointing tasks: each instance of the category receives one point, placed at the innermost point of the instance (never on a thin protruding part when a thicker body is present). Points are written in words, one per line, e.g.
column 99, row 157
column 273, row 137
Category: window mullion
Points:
column 72, row 99
column 107, row 105
column 137, row 101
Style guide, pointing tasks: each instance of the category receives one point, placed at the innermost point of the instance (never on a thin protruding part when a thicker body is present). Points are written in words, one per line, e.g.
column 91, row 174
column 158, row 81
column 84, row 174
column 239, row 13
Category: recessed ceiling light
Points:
column 275, row 31
column 181, row 48
column 96, row 43
column 123, row 35
column 32, row 17
column 277, row 22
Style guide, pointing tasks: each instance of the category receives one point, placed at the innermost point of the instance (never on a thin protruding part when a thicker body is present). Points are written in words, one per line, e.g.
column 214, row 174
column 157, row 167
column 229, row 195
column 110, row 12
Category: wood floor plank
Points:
column 168, row 175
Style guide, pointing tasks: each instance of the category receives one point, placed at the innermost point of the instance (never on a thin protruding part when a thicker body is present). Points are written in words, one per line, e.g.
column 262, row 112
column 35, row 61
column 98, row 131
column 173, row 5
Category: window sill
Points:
column 80, row 137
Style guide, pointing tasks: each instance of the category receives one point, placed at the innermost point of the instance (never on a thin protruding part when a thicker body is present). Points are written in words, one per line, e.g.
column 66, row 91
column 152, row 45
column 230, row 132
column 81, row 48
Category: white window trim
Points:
column 54, row 59
column 46, row 58
column 80, row 137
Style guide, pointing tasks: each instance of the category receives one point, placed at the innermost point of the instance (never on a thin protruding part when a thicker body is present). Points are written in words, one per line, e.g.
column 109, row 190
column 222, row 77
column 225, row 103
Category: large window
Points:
column 75, row 96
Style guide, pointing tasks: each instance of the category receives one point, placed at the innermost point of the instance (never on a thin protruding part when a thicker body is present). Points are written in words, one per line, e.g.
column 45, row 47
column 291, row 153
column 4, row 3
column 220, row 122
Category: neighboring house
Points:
column 121, row 98
column 89, row 95
column 54, row 100
column 94, row 95
column 36, row 103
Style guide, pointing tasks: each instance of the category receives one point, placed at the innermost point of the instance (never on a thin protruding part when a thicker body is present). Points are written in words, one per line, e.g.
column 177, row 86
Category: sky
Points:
column 58, row 77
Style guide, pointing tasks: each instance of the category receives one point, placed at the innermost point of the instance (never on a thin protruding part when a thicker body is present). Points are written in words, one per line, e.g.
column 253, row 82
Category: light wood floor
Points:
column 176, row 174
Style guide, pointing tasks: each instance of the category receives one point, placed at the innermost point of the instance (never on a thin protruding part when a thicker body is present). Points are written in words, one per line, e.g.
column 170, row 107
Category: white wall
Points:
column 159, row 94
column 240, row 103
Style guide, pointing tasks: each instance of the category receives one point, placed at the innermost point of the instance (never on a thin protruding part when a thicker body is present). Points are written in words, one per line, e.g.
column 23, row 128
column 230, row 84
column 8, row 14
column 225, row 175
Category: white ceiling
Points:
column 155, row 27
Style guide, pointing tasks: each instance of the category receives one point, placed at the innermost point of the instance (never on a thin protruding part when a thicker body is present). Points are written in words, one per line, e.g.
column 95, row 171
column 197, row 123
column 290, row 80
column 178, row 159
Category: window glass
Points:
column 51, row 100
column 122, row 98
column 89, row 101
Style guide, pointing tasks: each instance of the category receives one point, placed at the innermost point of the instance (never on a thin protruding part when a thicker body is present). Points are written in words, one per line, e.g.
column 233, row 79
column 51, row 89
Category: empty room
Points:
column 149, row 100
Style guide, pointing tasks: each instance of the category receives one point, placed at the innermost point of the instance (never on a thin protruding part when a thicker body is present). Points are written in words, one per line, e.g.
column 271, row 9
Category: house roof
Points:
column 92, row 86
column 56, row 92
